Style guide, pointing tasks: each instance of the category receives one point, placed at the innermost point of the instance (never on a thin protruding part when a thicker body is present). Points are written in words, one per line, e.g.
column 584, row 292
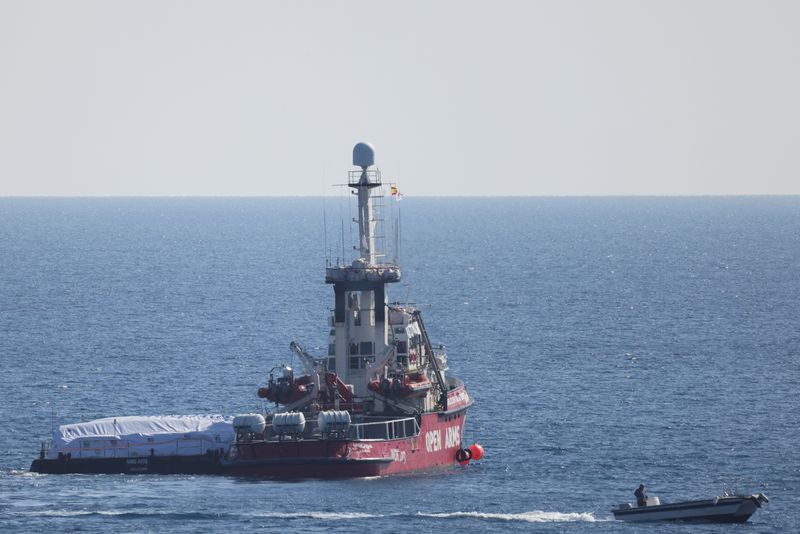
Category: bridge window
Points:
column 367, row 348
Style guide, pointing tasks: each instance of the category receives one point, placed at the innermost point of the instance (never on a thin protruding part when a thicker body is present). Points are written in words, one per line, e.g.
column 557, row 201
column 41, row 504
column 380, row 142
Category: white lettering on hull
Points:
column 433, row 441
column 452, row 438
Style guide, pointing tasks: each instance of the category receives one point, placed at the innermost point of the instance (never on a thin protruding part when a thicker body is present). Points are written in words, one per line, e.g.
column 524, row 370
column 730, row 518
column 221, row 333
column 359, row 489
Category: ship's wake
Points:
column 536, row 516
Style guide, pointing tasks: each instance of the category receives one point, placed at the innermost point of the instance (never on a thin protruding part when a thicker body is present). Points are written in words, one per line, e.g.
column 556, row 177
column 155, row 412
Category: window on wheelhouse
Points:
column 360, row 362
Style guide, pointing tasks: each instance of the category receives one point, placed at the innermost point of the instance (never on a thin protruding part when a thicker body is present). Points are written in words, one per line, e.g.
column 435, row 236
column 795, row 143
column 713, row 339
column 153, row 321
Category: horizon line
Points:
column 708, row 195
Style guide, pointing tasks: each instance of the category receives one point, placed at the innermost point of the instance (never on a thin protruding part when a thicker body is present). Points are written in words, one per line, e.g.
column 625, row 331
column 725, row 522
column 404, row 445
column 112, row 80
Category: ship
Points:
column 381, row 402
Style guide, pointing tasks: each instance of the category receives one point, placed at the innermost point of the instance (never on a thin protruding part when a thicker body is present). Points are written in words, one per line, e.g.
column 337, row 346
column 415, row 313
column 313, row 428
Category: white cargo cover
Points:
column 133, row 436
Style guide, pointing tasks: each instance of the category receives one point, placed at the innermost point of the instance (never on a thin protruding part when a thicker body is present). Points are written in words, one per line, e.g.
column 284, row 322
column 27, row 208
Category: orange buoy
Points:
column 477, row 451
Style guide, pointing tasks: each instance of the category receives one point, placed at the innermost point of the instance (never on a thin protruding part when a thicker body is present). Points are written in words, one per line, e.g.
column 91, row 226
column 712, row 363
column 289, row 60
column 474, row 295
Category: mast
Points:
column 364, row 157
column 360, row 319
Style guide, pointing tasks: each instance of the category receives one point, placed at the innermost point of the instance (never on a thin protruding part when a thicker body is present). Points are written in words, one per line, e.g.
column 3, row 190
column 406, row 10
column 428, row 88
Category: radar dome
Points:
column 363, row 155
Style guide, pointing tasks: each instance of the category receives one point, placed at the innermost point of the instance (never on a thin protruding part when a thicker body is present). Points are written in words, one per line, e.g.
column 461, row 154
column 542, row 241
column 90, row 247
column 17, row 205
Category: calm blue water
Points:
column 608, row 342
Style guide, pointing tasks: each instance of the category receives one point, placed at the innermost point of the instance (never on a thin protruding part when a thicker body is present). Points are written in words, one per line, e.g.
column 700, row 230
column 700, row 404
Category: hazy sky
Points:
column 458, row 98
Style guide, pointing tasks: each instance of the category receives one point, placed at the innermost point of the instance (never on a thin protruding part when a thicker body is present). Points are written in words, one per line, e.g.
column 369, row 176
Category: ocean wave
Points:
column 123, row 514
column 22, row 473
column 536, row 516
column 319, row 515
column 129, row 514
column 66, row 513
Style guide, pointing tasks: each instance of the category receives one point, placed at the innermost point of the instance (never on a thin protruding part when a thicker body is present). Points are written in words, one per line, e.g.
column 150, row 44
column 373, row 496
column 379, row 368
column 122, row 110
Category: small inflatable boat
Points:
column 723, row 509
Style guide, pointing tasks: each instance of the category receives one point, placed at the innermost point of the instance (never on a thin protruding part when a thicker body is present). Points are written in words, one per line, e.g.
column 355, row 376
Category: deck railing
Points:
column 116, row 448
column 381, row 429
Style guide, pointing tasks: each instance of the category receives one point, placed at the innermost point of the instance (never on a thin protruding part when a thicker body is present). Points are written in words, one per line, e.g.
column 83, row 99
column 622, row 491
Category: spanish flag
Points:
column 398, row 196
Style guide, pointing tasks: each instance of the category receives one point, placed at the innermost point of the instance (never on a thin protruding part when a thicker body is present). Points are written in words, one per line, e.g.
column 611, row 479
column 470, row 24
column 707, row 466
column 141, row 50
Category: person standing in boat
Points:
column 641, row 496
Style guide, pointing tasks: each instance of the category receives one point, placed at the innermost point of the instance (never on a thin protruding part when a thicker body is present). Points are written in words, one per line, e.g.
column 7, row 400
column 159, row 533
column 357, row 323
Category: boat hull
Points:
column 737, row 509
column 142, row 465
column 433, row 448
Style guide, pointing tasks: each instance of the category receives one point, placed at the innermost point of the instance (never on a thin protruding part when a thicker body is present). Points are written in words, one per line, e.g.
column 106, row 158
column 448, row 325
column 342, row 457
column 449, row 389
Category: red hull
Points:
column 433, row 448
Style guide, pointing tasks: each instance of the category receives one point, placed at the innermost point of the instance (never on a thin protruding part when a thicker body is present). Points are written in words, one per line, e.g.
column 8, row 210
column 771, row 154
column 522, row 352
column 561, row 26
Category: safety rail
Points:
column 373, row 177
column 381, row 429
column 110, row 448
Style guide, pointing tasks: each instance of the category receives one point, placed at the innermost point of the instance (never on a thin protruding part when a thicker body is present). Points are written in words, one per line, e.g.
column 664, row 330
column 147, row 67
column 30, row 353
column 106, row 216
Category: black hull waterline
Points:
column 152, row 465
column 726, row 509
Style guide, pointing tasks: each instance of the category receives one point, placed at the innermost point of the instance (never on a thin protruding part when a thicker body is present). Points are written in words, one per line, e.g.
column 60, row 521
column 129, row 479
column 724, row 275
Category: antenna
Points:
column 343, row 256
column 325, row 222
column 394, row 246
column 349, row 225
column 399, row 231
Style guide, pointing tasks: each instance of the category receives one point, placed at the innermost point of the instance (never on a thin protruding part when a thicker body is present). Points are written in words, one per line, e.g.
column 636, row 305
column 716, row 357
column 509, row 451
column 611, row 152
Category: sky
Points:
column 462, row 98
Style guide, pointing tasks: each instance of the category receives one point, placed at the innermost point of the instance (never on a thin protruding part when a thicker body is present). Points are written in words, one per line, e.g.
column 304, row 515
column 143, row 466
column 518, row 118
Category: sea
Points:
column 607, row 342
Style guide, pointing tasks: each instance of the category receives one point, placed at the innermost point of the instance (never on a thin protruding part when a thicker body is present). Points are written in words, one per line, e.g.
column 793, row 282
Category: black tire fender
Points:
column 463, row 455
